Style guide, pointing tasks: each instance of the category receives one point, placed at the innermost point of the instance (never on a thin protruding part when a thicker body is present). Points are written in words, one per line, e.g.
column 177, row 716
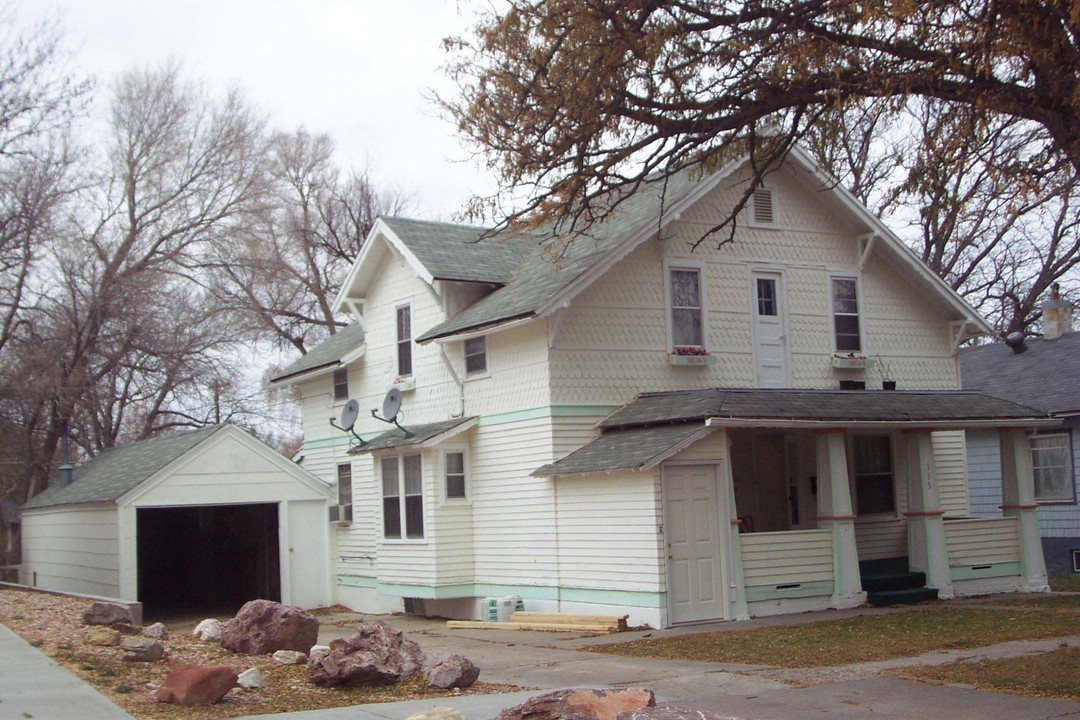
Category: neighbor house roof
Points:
column 112, row 473
column 655, row 426
column 1045, row 376
column 326, row 354
column 419, row 435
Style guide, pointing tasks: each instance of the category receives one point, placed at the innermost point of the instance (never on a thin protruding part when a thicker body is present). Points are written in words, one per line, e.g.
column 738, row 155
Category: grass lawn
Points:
column 1065, row 583
column 1067, row 602
column 857, row 639
column 1053, row 674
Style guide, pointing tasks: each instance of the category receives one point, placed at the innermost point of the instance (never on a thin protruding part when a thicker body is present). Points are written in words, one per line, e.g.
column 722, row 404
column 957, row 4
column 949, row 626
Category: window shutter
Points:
column 763, row 207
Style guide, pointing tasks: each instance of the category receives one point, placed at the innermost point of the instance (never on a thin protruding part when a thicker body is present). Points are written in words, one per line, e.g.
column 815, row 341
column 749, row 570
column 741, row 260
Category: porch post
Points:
column 927, row 550
column 1018, row 501
column 736, row 582
column 835, row 513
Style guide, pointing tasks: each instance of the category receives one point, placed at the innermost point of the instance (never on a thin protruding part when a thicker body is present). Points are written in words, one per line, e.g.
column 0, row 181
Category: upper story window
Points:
column 455, row 475
column 403, row 497
column 687, row 313
column 1051, row 459
column 344, row 484
column 476, row 355
column 845, row 314
column 873, row 470
column 341, row 384
column 404, row 340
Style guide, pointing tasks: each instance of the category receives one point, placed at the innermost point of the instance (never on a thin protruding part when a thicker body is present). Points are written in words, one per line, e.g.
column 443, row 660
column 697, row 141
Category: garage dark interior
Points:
column 207, row 560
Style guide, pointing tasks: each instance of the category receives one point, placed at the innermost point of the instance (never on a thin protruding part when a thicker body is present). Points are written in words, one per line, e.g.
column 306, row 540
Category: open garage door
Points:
column 207, row 559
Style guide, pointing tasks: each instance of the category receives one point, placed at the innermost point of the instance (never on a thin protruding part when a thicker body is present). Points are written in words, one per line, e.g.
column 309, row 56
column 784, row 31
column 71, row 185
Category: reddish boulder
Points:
column 111, row 614
column 263, row 626
column 376, row 654
column 582, row 704
column 451, row 671
column 197, row 685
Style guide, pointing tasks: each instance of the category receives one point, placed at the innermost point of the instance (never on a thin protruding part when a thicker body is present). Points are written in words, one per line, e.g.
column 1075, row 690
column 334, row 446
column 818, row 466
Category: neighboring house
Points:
column 202, row 520
column 1044, row 374
column 618, row 430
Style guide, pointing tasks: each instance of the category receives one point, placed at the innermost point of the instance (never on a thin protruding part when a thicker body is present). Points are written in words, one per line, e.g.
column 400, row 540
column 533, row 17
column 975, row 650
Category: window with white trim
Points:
column 403, row 314
column 454, row 465
column 1051, row 459
column 687, row 311
column 341, row 384
column 344, row 484
column 476, row 355
column 845, row 314
column 403, row 497
column 874, row 478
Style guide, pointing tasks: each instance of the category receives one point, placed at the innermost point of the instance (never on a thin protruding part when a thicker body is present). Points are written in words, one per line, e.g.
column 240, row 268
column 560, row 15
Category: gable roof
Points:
column 460, row 252
column 118, row 470
column 1045, row 376
column 326, row 354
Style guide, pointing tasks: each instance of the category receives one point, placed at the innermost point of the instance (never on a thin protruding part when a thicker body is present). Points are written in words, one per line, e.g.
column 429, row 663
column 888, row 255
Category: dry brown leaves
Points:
column 53, row 624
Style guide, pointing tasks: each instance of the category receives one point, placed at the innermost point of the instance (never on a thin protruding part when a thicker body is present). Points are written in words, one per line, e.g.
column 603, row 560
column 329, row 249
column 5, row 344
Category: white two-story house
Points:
column 643, row 428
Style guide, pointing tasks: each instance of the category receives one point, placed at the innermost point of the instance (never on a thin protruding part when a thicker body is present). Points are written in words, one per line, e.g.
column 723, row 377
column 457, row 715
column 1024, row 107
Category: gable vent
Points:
column 763, row 210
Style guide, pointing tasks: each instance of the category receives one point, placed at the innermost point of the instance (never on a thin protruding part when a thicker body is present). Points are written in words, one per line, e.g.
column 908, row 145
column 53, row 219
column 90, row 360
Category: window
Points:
column 455, row 475
column 687, row 316
column 766, row 297
column 341, row 384
column 404, row 341
column 845, row 313
column 873, row 474
column 1051, row 460
column 403, row 497
column 344, row 484
column 763, row 207
column 476, row 355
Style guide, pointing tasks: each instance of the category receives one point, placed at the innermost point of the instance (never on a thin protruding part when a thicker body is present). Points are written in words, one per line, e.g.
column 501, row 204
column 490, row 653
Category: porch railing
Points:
column 797, row 563
column 983, row 547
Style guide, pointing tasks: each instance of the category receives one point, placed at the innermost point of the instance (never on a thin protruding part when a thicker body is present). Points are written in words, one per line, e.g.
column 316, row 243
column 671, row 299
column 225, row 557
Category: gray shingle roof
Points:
column 328, row 352
column 538, row 279
column 1045, row 376
column 823, row 405
column 461, row 252
column 108, row 476
column 632, row 448
column 420, row 434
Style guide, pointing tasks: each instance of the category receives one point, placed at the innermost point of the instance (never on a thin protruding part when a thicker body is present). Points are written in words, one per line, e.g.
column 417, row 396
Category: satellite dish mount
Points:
column 391, row 407
column 349, row 413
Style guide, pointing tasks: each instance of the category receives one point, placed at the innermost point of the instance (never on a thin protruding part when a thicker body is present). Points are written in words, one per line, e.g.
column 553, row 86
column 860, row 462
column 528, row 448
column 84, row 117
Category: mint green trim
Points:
column 628, row 598
column 968, row 572
column 757, row 593
column 327, row 442
column 546, row 411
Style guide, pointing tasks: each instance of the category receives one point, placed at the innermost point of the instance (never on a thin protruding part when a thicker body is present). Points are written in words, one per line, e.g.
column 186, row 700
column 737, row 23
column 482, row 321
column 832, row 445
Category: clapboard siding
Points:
column 72, row 549
column 949, row 462
column 881, row 540
column 797, row 556
column 982, row 540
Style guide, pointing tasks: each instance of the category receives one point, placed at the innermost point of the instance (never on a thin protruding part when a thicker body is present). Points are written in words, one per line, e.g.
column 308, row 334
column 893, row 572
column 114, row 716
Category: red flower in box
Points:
column 689, row 350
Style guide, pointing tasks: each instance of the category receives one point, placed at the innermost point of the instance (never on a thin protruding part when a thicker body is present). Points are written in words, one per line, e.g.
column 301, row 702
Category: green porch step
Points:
column 909, row 596
column 893, row 581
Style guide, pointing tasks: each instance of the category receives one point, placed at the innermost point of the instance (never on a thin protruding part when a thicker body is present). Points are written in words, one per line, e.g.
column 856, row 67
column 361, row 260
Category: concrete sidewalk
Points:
column 33, row 686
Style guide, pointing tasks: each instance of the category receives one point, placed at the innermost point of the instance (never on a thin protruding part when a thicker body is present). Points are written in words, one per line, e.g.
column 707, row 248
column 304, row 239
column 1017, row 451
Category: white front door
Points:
column 770, row 343
column 694, row 522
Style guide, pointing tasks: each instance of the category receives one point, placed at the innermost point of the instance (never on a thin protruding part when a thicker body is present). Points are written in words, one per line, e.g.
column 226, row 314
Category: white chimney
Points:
column 1056, row 315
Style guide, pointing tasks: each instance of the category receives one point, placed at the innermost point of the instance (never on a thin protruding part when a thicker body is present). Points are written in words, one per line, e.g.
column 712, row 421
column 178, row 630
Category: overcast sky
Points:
column 356, row 69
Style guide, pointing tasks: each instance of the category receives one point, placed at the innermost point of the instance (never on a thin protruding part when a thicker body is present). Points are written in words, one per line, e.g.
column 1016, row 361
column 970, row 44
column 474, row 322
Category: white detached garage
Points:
column 196, row 521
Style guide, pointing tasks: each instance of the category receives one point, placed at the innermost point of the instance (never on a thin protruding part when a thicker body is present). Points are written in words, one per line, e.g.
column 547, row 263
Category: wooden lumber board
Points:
column 545, row 626
column 569, row 618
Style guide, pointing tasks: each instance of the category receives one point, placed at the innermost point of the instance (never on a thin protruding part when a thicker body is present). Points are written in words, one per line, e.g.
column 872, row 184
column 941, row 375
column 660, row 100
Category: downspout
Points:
column 457, row 381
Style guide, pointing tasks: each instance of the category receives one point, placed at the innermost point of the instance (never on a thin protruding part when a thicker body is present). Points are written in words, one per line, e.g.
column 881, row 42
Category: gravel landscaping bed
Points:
column 54, row 625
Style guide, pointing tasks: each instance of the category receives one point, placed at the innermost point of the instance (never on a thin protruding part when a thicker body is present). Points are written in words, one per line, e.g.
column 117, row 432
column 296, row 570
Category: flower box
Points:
column 694, row 360
column 852, row 362
column 404, row 384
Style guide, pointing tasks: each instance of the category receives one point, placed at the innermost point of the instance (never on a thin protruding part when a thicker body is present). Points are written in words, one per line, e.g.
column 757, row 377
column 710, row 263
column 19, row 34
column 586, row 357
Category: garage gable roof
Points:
column 118, row 470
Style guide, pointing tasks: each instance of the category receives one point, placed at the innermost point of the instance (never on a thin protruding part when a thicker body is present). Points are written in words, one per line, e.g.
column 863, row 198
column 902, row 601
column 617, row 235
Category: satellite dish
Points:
column 391, row 404
column 349, row 413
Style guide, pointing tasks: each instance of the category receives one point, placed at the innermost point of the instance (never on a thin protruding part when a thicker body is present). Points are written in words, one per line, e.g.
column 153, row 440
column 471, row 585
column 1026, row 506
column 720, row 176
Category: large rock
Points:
column 197, row 685
column 583, row 704
column 111, row 614
column 208, row 630
column 142, row 649
column 263, row 626
column 250, row 679
column 451, row 671
column 376, row 654
column 103, row 636
column 671, row 713
column 437, row 713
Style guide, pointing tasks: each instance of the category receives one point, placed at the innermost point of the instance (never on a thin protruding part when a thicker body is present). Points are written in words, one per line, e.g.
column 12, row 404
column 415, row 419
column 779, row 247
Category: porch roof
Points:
column 637, row 448
column 425, row 435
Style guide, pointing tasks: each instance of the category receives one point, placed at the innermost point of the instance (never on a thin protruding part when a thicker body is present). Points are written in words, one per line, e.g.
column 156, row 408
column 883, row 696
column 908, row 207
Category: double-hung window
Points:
column 476, row 355
column 403, row 497
column 687, row 319
column 1051, row 459
column 344, row 484
column 341, row 384
column 455, row 475
column 404, row 340
column 874, row 479
column 845, row 315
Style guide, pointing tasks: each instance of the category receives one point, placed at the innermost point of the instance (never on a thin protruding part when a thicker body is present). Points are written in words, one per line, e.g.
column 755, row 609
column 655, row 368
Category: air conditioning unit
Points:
column 341, row 514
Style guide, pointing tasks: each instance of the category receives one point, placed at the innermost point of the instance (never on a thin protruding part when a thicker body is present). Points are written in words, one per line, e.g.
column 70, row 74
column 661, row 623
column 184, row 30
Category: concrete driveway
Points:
column 555, row 660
